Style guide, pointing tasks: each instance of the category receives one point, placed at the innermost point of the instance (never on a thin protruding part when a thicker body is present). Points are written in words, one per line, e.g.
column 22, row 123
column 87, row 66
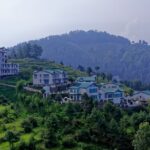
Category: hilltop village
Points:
column 47, row 105
column 56, row 81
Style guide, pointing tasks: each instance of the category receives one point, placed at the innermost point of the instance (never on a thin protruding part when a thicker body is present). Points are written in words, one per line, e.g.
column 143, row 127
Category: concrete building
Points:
column 102, row 92
column 141, row 95
column 111, row 92
column 53, row 77
column 79, row 89
column 6, row 68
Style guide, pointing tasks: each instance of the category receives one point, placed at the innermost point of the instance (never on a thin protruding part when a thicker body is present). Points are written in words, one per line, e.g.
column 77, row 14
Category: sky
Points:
column 24, row 20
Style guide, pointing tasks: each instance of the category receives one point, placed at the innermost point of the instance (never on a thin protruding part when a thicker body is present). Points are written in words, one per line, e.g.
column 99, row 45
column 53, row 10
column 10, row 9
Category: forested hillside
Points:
column 113, row 54
column 32, row 122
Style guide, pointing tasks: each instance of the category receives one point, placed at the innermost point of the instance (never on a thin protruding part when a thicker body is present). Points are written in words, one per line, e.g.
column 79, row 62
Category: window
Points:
column 46, row 81
column 35, row 76
column 46, row 75
column 94, row 90
column 94, row 97
column 118, row 94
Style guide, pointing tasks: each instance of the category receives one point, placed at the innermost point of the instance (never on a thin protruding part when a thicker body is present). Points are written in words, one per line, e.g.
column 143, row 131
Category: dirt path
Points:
column 25, row 88
column 8, row 85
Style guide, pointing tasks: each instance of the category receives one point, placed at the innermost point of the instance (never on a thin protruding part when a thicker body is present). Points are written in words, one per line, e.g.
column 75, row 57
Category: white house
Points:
column 111, row 92
column 141, row 95
column 82, row 88
column 7, row 68
column 102, row 92
column 53, row 77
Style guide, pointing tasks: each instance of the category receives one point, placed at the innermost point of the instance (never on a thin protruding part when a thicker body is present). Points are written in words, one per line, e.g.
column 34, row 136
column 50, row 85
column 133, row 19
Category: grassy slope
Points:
column 26, row 68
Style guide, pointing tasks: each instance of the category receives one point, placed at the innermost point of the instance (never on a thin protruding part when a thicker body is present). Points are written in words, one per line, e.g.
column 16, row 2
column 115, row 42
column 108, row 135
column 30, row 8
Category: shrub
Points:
column 29, row 124
column 69, row 142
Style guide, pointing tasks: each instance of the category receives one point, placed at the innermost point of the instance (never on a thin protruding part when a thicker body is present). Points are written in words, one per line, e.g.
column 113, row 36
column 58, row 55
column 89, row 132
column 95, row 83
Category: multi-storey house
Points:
column 79, row 89
column 53, row 77
column 6, row 68
column 111, row 92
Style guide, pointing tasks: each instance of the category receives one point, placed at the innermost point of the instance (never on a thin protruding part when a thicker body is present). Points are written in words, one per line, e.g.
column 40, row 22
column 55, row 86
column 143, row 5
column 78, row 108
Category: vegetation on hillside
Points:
column 30, row 122
column 114, row 54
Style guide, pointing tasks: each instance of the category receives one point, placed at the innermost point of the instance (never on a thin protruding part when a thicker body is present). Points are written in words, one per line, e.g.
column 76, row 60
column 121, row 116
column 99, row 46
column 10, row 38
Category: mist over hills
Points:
column 114, row 54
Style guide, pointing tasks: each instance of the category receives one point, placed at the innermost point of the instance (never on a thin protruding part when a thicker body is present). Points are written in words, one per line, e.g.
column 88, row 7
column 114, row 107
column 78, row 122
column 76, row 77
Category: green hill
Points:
column 114, row 54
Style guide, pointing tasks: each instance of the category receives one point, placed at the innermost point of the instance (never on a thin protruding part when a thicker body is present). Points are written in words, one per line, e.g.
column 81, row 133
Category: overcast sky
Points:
column 23, row 20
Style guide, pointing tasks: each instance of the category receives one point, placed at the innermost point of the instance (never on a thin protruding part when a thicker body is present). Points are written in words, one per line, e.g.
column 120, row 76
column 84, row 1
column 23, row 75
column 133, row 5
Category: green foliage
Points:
column 50, row 138
column 68, row 142
column 28, row 124
column 112, row 53
column 11, row 137
column 20, row 85
column 26, row 50
column 47, row 124
column 30, row 145
column 142, row 137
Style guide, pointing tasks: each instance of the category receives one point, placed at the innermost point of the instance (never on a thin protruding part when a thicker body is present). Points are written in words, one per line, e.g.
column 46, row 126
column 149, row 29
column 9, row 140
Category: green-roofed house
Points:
column 111, row 92
column 50, row 77
column 87, row 79
column 141, row 95
column 82, row 88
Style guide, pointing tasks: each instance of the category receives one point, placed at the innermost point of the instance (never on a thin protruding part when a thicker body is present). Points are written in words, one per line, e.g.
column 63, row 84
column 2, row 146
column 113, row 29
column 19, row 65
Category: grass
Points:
column 8, row 92
column 27, row 66
column 4, row 146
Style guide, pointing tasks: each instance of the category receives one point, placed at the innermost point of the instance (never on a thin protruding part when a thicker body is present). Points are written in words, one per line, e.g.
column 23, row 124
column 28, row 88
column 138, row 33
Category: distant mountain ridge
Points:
column 114, row 54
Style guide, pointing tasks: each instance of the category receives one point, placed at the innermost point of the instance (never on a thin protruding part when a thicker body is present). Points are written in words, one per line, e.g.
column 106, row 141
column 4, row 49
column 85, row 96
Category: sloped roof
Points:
column 86, row 79
column 84, row 85
column 111, row 90
column 147, row 92
column 51, row 71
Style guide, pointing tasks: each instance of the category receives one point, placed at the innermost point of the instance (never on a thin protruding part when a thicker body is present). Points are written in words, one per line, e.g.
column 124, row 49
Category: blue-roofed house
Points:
column 87, row 79
column 111, row 92
column 141, row 95
column 81, row 88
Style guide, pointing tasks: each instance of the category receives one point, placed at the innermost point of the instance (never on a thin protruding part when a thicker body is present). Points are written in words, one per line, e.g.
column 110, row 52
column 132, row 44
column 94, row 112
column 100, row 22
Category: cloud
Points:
column 23, row 20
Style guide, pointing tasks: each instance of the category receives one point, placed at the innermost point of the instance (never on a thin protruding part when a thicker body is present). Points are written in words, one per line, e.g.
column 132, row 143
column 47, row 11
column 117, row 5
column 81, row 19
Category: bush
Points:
column 29, row 124
column 82, row 135
column 27, row 146
column 50, row 138
column 69, row 142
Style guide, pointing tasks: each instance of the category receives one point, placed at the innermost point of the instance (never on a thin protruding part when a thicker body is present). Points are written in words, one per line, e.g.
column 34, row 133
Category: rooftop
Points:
column 52, row 71
column 145, row 92
column 86, row 79
column 82, row 85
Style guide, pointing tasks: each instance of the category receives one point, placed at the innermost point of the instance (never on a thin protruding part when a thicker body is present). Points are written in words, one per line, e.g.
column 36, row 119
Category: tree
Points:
column 81, row 68
column 29, row 123
column 109, row 76
column 103, row 75
column 19, row 86
column 30, row 145
column 97, row 68
column 142, row 137
column 27, row 50
column 11, row 137
column 50, row 138
column 69, row 142
column 62, row 63
column 89, row 70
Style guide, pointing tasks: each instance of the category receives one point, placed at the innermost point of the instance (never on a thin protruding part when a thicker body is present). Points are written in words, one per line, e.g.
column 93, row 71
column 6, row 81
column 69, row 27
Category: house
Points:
column 7, row 69
column 52, row 78
column 82, row 88
column 103, row 92
column 141, row 95
column 87, row 79
column 111, row 92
